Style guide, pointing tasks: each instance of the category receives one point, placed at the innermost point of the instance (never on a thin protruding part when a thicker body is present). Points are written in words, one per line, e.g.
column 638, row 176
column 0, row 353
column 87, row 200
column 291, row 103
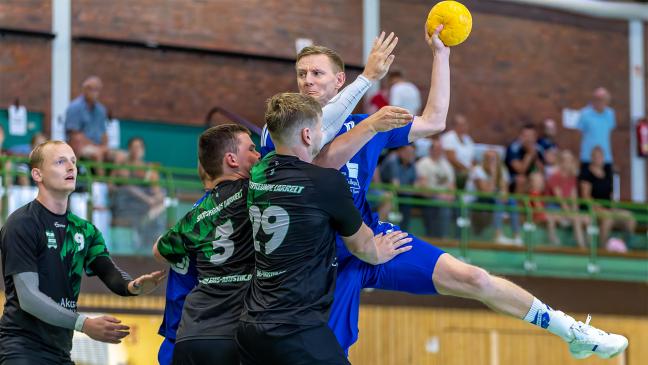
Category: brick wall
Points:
column 25, row 69
column 252, row 26
column 26, row 14
column 179, row 87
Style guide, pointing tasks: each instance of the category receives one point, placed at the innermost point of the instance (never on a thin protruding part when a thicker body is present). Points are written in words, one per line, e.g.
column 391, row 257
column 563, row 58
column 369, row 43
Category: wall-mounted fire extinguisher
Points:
column 642, row 137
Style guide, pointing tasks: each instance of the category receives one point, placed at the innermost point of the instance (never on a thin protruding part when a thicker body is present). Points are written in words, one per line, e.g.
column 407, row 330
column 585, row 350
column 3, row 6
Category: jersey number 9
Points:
column 274, row 221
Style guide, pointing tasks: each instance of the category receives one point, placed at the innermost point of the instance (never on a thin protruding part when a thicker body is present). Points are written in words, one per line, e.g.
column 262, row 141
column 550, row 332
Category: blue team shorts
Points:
column 409, row 272
column 165, row 354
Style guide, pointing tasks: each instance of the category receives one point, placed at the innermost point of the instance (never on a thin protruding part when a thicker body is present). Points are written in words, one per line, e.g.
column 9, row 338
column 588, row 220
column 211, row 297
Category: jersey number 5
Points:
column 274, row 221
column 223, row 233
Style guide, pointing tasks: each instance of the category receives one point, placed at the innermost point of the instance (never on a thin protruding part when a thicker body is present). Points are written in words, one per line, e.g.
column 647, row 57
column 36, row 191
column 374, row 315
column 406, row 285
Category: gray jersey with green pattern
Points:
column 59, row 247
column 218, row 234
column 296, row 209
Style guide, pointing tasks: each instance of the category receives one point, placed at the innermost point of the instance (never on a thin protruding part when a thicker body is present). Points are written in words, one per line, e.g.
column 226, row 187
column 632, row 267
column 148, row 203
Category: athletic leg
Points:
column 456, row 278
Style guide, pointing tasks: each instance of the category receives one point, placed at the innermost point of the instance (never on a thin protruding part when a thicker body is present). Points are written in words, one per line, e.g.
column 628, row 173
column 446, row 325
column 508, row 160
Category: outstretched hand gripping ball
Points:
column 456, row 20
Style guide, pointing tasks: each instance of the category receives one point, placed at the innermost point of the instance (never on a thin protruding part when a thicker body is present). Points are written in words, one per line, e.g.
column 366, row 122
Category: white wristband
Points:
column 78, row 325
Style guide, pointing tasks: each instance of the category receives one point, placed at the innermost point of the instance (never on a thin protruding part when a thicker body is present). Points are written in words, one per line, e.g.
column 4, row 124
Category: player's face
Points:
column 318, row 77
column 58, row 171
column 247, row 154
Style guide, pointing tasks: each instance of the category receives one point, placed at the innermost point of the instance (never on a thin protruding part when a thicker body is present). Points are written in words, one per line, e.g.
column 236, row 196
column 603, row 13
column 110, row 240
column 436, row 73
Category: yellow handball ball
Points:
column 456, row 20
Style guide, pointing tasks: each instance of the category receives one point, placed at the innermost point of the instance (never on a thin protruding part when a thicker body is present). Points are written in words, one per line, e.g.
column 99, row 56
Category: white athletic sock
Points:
column 553, row 321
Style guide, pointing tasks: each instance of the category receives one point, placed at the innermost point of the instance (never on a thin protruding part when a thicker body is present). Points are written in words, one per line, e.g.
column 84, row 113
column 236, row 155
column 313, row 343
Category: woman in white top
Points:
column 491, row 177
column 435, row 172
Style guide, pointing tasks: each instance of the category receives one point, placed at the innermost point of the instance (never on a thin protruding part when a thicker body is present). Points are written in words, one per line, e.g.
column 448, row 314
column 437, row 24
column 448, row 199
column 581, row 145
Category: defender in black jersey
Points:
column 296, row 208
column 45, row 250
column 218, row 234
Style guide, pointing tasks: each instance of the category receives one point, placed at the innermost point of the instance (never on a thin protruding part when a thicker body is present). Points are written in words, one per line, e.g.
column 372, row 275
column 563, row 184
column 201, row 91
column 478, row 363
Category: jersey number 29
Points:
column 274, row 221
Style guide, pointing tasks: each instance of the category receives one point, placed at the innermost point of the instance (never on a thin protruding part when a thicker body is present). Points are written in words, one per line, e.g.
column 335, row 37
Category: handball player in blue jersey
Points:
column 424, row 269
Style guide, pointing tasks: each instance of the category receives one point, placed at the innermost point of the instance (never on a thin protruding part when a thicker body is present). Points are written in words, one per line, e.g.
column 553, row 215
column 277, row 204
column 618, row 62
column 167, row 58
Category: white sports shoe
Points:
column 590, row 340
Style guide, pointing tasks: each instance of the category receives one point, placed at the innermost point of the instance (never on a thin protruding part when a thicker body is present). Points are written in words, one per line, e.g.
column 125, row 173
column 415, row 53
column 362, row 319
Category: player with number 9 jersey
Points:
column 295, row 209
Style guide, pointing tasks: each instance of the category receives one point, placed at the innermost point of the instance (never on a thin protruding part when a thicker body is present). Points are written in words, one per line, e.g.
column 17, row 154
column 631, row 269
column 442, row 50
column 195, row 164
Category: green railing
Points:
column 534, row 257
column 534, row 250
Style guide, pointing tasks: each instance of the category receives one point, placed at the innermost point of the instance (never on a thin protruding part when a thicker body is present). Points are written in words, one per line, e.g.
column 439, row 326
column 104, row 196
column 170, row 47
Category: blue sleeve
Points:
column 613, row 118
column 266, row 142
column 398, row 137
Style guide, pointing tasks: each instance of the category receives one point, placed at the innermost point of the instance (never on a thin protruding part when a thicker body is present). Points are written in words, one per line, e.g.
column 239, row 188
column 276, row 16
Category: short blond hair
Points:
column 37, row 156
column 286, row 112
column 331, row 54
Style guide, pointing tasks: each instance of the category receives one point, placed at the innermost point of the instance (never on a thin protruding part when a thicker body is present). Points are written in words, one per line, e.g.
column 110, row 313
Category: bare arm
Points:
column 433, row 118
column 586, row 189
column 557, row 192
column 485, row 185
column 340, row 151
column 156, row 253
column 379, row 249
column 522, row 166
column 451, row 155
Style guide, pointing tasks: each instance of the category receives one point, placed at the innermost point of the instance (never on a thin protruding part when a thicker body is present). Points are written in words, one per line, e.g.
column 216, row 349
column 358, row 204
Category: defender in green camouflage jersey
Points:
column 45, row 250
column 218, row 233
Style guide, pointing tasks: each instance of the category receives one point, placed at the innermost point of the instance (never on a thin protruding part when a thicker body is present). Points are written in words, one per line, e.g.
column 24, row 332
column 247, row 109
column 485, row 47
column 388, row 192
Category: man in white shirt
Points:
column 406, row 95
column 460, row 149
column 435, row 172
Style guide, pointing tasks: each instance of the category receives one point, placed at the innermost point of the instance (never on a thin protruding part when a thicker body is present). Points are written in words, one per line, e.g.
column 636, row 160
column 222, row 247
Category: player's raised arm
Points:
column 433, row 118
column 337, row 109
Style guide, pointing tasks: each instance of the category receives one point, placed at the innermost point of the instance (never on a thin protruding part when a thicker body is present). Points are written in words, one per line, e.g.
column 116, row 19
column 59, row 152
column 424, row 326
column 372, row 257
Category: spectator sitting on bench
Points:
column 139, row 206
column 85, row 125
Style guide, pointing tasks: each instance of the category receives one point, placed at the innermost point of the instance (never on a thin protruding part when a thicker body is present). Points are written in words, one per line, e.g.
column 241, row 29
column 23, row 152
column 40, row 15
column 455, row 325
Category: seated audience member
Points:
column 490, row 177
column 524, row 156
column 551, row 161
column 459, row 149
column 563, row 184
column 595, row 183
column 549, row 132
column 85, row 124
column 24, row 179
column 435, row 172
column 540, row 215
column 140, row 206
column 398, row 169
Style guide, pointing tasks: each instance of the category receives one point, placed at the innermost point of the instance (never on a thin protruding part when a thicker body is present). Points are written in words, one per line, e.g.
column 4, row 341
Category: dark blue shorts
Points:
column 409, row 272
column 165, row 354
